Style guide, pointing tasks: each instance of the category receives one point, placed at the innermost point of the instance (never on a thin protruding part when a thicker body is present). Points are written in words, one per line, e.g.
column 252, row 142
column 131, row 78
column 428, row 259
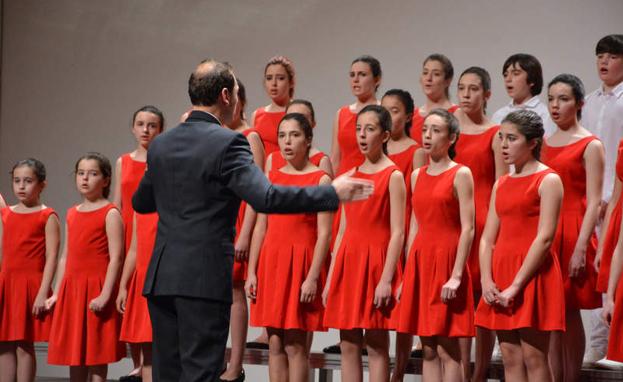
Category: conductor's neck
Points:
column 214, row 110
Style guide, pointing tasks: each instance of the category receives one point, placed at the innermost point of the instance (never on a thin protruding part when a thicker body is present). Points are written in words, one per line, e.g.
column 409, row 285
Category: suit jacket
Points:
column 196, row 175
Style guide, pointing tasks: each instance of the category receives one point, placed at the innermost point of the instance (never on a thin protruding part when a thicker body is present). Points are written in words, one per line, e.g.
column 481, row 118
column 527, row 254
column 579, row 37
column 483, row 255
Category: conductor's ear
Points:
column 226, row 97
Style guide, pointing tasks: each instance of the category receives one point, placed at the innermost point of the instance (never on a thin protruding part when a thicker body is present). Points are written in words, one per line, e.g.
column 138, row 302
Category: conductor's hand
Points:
column 349, row 188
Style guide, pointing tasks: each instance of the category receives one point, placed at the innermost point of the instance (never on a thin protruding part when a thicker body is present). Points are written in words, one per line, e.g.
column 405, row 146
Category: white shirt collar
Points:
column 529, row 104
column 617, row 90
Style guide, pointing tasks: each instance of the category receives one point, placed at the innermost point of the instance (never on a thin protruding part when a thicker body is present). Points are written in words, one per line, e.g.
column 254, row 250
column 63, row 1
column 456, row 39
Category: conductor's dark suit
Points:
column 197, row 173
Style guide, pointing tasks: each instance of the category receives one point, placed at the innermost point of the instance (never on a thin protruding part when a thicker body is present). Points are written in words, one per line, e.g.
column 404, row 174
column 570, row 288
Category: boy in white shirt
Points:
column 602, row 114
column 523, row 79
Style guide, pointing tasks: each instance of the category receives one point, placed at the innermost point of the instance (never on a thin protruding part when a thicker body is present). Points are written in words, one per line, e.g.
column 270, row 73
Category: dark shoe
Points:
column 333, row 349
column 257, row 345
column 239, row 379
column 131, row 378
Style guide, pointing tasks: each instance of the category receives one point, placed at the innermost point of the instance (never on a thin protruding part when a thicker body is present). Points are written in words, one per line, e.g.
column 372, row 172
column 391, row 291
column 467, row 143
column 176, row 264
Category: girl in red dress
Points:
column 578, row 157
column 279, row 81
column 286, row 270
column 365, row 79
column 136, row 325
column 147, row 123
column 436, row 299
column 316, row 157
column 239, row 314
column 480, row 150
column 435, row 80
column 407, row 155
column 612, row 312
column 611, row 247
column 612, row 222
column 85, row 328
column 522, row 287
column 30, row 234
column 361, row 283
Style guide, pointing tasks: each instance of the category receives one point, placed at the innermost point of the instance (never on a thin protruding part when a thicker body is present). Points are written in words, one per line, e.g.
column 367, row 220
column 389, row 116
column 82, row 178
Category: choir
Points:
column 488, row 227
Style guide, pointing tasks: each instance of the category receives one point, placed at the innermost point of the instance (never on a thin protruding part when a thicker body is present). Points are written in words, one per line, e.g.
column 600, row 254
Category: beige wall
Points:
column 74, row 71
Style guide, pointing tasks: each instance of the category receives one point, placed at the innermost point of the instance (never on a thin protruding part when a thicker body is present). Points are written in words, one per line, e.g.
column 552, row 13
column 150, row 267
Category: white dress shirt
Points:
column 602, row 114
column 534, row 104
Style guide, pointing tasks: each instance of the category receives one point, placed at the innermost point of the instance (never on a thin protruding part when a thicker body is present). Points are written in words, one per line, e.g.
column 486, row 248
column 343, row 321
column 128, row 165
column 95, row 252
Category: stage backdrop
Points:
column 73, row 72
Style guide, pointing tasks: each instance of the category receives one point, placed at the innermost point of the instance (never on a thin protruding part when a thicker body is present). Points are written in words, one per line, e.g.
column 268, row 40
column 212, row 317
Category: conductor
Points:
column 197, row 174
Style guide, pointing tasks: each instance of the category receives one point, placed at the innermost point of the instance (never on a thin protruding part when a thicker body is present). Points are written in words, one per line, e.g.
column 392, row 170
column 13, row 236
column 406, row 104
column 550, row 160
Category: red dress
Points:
column 80, row 337
column 350, row 156
column 278, row 160
column 474, row 151
column 266, row 125
column 418, row 121
column 431, row 261
column 541, row 303
column 131, row 174
column 360, row 259
column 285, row 259
column 615, row 340
column 612, row 232
column 567, row 162
column 136, row 325
column 21, row 271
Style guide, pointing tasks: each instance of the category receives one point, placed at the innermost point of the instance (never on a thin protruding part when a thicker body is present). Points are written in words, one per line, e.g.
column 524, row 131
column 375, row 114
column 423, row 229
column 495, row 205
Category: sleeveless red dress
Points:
column 615, row 339
column 567, row 161
column 541, row 304
column 136, row 325
column 266, row 125
column 418, row 121
column 131, row 174
column 278, row 161
column 350, row 156
column 431, row 260
column 612, row 231
column 21, row 271
column 474, row 151
column 80, row 337
column 360, row 259
column 285, row 259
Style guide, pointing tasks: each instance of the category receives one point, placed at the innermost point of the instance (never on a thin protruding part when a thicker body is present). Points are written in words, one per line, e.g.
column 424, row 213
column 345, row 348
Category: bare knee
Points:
column 377, row 342
column 275, row 342
column 25, row 349
column 511, row 355
column 295, row 344
column 535, row 360
column 429, row 349
column 448, row 350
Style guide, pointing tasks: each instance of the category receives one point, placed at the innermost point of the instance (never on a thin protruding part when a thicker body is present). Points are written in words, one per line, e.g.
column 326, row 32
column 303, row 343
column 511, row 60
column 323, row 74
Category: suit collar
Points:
column 204, row 116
